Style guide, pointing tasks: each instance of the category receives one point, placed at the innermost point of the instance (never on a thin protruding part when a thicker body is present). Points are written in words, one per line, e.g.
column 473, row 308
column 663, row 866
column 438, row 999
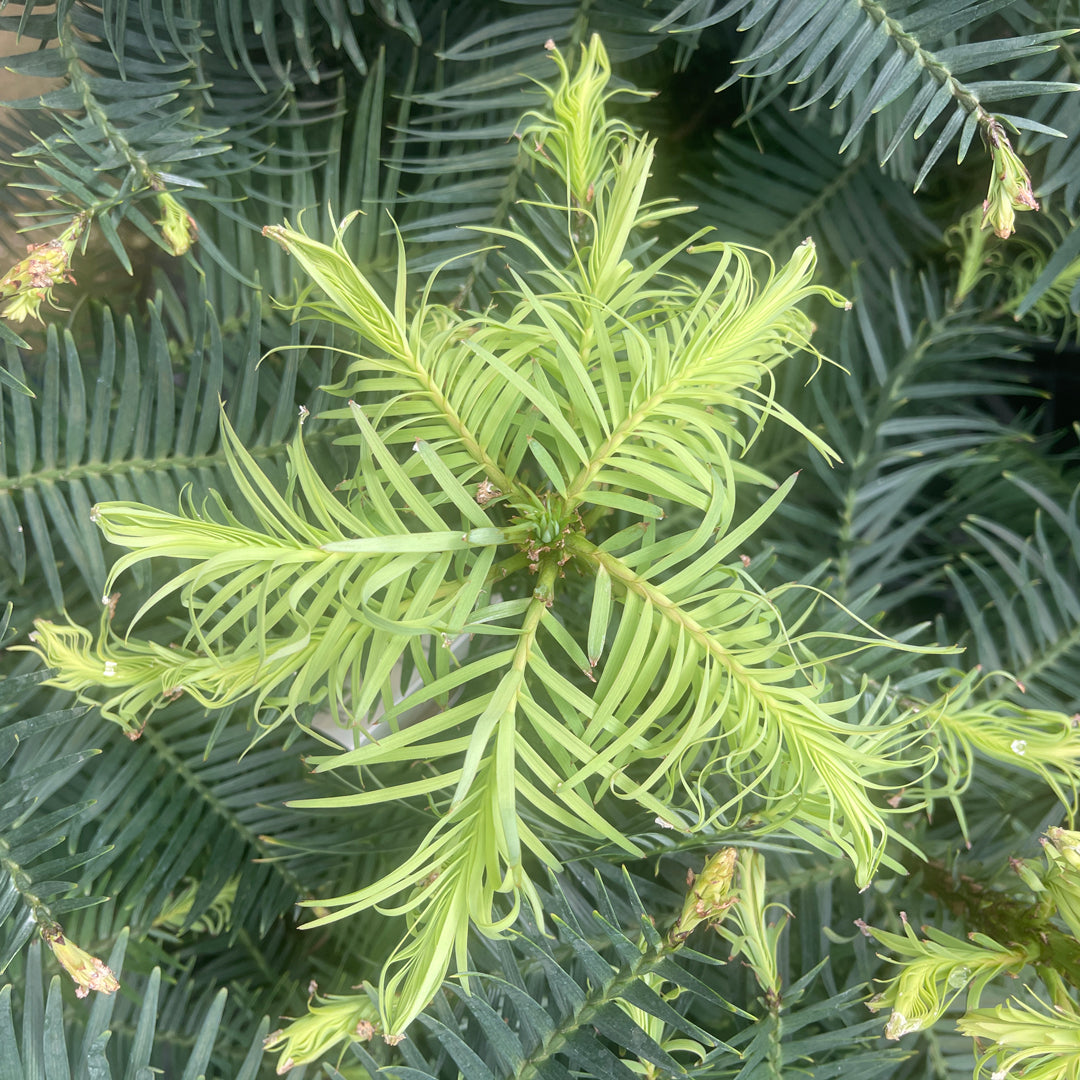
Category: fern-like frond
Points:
column 902, row 63
column 687, row 622
column 82, row 1049
column 788, row 184
column 189, row 838
column 588, row 997
column 909, row 413
column 38, row 876
column 138, row 421
column 1020, row 594
column 464, row 153
column 606, row 995
column 133, row 137
column 114, row 140
column 329, row 601
column 202, row 813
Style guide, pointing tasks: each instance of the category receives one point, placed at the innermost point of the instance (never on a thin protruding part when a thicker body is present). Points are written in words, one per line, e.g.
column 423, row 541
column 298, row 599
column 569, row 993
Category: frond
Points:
column 183, row 806
column 134, row 137
column 601, row 983
column 186, row 835
column 1020, row 593
column 910, row 66
column 707, row 704
column 606, row 995
column 74, row 1047
column 922, row 457
column 788, row 183
column 109, row 138
column 463, row 152
column 138, row 421
column 907, row 409
column 38, row 877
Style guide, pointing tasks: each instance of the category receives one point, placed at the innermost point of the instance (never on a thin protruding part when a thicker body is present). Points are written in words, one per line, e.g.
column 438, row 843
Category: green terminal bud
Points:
column 177, row 226
column 88, row 971
column 328, row 1021
column 1062, row 878
column 708, row 899
column 1010, row 187
column 31, row 281
column 1065, row 845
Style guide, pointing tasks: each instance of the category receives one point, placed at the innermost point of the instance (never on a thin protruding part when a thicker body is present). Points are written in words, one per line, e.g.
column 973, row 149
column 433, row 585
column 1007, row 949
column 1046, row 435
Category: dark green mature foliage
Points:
column 948, row 515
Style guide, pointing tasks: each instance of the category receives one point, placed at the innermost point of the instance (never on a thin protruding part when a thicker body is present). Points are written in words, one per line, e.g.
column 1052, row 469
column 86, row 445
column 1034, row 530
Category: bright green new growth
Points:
column 508, row 462
column 935, row 970
column 1043, row 1042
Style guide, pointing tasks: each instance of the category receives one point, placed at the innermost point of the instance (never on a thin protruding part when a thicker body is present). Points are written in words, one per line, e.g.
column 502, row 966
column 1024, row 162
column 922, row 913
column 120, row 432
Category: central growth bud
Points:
column 547, row 540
